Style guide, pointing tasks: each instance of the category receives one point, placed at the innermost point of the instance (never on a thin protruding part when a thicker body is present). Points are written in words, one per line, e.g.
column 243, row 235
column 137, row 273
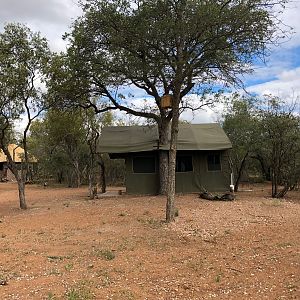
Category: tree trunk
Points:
column 170, row 207
column 102, row 175
column 274, row 183
column 163, row 131
column 77, row 173
column 163, row 172
column 19, row 177
column 91, row 193
column 91, row 175
column 21, row 186
column 70, row 178
column 240, row 172
column 264, row 169
column 59, row 177
column 283, row 192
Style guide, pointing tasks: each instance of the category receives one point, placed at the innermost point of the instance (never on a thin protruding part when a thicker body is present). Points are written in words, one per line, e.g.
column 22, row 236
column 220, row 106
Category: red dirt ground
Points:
column 66, row 246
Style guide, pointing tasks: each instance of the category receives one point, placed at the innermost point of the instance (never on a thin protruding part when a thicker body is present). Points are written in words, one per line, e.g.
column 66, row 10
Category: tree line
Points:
column 265, row 134
column 159, row 47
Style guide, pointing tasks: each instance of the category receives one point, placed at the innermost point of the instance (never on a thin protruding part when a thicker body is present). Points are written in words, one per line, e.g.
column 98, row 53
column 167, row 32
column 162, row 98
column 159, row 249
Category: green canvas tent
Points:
column 202, row 157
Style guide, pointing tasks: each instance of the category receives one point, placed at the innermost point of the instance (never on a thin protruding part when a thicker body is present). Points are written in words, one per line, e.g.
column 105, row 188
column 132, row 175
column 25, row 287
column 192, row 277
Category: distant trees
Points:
column 66, row 139
column 240, row 124
column 267, row 130
column 280, row 140
column 65, row 143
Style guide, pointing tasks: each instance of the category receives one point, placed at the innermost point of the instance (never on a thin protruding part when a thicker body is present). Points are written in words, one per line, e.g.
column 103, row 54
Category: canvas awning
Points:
column 125, row 139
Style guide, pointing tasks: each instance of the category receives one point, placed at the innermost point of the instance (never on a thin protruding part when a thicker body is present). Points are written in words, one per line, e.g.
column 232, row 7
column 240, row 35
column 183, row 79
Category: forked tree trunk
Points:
column 265, row 170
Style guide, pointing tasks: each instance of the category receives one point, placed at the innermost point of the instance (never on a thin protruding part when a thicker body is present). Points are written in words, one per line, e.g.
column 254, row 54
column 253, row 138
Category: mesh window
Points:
column 214, row 162
column 184, row 164
column 143, row 164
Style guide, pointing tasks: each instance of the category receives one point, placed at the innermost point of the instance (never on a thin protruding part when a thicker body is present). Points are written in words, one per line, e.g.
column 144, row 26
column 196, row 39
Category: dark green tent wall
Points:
column 202, row 157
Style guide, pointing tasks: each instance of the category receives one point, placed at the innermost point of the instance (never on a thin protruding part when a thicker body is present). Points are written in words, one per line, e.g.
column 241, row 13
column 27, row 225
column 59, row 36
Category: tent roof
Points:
column 124, row 139
column 16, row 152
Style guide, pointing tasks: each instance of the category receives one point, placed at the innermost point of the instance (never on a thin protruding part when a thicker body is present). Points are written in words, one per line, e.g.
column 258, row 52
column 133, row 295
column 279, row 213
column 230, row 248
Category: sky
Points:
column 280, row 75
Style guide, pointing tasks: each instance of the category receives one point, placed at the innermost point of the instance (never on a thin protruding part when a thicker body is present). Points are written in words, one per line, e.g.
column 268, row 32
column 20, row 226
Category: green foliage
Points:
column 23, row 58
column 59, row 143
column 69, row 267
column 51, row 296
column 280, row 139
column 218, row 278
column 241, row 125
column 80, row 291
column 239, row 121
column 268, row 131
column 161, row 46
column 106, row 254
column 64, row 143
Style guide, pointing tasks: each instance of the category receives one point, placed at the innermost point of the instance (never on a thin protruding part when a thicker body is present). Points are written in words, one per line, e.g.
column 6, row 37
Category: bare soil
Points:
column 66, row 246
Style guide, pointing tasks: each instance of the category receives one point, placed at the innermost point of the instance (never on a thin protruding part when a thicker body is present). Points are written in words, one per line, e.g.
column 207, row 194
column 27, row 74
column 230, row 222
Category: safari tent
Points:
column 17, row 154
column 202, row 157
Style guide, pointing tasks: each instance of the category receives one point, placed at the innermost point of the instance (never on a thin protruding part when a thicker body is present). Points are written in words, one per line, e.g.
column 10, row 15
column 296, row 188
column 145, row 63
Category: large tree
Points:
column 23, row 56
column 166, row 47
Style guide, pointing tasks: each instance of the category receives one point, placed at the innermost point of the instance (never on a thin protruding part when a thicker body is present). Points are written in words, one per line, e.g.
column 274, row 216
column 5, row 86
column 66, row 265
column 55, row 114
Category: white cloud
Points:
column 290, row 17
column 206, row 115
column 51, row 17
column 46, row 11
column 284, row 56
column 287, row 85
column 268, row 71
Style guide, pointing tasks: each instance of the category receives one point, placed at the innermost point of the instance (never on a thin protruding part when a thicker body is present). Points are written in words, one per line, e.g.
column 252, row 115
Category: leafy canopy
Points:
column 168, row 46
column 23, row 56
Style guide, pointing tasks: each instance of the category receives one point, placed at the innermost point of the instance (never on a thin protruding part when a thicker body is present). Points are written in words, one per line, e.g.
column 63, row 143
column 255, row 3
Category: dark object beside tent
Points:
column 211, row 197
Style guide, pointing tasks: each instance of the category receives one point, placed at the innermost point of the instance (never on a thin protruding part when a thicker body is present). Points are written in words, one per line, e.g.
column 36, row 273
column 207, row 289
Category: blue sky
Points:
column 280, row 75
